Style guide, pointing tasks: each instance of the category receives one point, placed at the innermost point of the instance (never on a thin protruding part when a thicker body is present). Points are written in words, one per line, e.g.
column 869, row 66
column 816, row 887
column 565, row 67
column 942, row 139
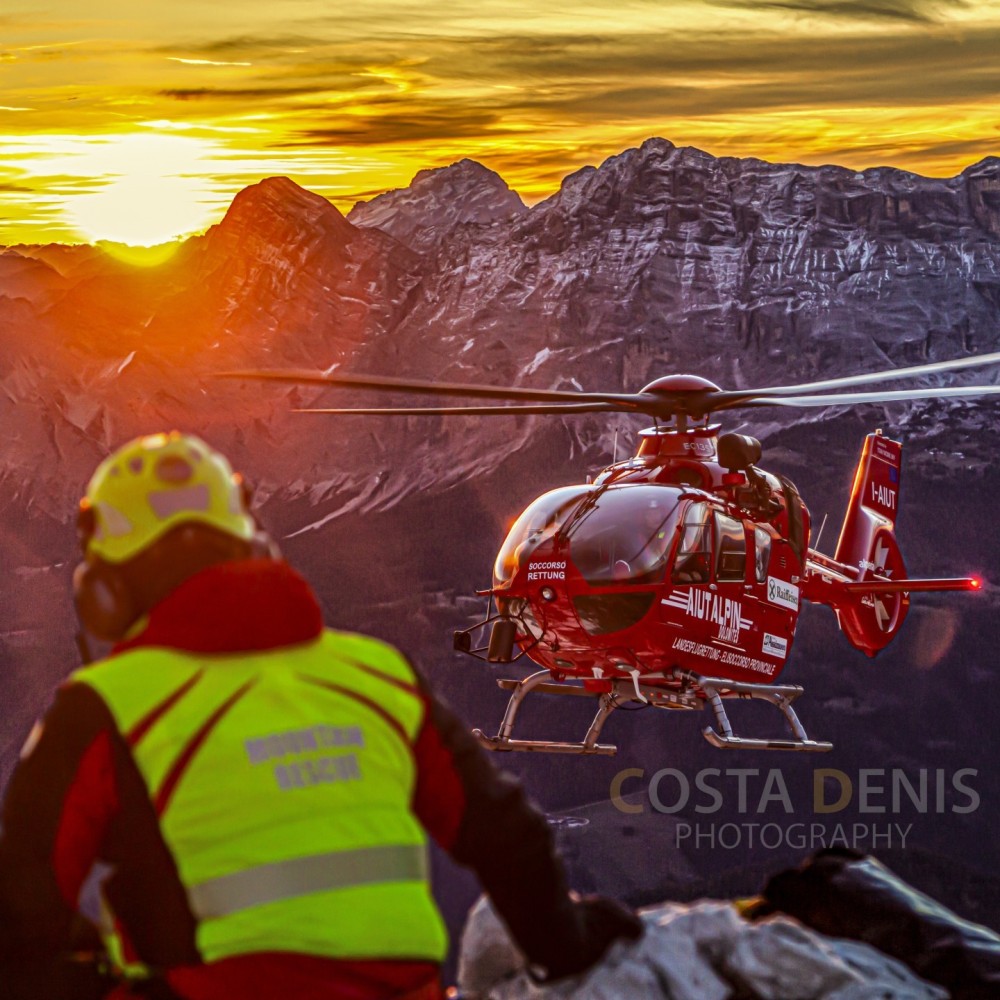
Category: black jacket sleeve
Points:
column 483, row 818
column 42, row 862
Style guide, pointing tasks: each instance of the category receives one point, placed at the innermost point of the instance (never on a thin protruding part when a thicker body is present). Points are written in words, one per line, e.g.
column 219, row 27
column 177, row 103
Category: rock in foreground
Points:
column 697, row 951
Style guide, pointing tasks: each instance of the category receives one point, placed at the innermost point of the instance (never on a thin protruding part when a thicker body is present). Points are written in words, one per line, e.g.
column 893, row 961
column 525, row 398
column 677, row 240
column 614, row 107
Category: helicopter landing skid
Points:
column 779, row 695
column 712, row 690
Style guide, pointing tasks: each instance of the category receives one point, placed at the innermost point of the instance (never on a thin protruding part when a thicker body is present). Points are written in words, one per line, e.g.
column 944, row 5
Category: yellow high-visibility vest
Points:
column 283, row 780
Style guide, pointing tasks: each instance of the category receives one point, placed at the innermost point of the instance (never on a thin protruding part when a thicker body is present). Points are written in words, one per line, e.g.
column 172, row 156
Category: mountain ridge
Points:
column 662, row 257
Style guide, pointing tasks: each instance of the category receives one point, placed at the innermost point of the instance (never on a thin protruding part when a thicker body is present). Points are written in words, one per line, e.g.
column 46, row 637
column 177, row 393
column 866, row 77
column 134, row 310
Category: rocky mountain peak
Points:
column 987, row 166
column 277, row 210
column 437, row 201
column 633, row 176
column 285, row 264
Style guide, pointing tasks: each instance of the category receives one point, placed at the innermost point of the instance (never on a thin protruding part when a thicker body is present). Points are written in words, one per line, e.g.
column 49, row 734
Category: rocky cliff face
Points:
column 661, row 259
column 667, row 257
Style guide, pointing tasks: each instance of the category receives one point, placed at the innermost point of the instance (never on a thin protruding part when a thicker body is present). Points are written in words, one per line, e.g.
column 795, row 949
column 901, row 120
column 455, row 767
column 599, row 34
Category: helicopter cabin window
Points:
column 762, row 549
column 730, row 548
column 694, row 554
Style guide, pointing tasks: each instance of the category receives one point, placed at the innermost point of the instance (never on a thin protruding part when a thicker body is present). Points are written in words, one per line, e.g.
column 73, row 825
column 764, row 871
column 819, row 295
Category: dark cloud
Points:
column 722, row 54
column 576, row 79
column 919, row 153
column 238, row 93
column 913, row 11
column 744, row 72
column 578, row 82
column 403, row 127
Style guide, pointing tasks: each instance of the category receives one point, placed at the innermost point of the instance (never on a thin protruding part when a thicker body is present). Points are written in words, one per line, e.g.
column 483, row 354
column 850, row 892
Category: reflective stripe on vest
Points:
column 299, row 876
column 283, row 781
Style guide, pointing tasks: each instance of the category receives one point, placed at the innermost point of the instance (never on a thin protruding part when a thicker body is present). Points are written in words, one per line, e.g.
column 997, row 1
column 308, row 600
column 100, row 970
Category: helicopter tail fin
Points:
column 866, row 582
column 874, row 498
column 871, row 618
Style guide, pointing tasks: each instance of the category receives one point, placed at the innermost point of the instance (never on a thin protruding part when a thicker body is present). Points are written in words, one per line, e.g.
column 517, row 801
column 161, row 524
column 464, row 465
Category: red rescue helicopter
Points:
column 676, row 578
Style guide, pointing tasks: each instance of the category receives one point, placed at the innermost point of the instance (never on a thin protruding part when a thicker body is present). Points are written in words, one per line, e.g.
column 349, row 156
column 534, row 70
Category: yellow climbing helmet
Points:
column 153, row 483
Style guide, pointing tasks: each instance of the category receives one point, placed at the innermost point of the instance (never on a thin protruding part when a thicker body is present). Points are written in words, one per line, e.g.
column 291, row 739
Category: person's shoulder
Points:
column 76, row 714
column 369, row 651
column 134, row 670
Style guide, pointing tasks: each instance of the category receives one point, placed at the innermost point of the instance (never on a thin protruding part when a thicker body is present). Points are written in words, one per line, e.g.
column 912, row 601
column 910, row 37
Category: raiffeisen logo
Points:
column 892, row 797
column 782, row 593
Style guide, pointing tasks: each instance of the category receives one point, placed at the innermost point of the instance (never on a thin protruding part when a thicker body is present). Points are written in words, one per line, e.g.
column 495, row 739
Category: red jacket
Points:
column 77, row 799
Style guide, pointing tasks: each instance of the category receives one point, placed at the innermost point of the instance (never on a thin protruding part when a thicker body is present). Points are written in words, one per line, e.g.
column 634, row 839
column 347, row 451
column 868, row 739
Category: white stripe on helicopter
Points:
column 706, row 606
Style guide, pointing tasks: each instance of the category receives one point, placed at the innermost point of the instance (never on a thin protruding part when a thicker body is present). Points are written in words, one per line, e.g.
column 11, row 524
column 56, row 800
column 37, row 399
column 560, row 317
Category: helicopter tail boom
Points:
column 908, row 585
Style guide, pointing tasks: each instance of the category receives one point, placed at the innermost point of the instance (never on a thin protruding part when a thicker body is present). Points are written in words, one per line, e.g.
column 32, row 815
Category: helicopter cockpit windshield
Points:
column 537, row 524
column 615, row 535
column 625, row 534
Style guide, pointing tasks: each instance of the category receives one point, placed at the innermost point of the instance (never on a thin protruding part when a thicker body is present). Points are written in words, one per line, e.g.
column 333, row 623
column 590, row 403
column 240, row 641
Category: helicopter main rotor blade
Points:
column 445, row 411
column 301, row 376
column 892, row 396
column 658, row 403
column 934, row 368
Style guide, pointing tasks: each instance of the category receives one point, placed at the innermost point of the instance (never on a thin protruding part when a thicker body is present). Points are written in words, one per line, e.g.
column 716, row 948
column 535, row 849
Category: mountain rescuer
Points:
column 251, row 793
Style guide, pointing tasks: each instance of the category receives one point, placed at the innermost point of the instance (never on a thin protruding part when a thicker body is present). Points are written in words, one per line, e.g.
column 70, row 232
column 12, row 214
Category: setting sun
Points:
column 149, row 190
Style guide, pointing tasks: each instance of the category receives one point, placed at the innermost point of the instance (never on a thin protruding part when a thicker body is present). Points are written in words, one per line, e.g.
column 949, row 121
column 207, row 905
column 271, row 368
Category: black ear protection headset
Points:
column 104, row 601
column 111, row 597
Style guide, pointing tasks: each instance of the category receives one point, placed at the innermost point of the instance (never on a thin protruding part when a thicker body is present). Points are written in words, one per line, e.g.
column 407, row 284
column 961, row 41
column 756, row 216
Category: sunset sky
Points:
column 139, row 121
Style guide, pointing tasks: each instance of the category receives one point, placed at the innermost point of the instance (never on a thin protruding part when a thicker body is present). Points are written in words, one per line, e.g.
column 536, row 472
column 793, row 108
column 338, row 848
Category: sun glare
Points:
column 154, row 189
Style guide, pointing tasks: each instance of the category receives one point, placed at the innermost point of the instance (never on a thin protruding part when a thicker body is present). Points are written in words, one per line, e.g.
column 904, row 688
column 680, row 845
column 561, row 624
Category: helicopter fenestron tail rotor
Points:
column 671, row 396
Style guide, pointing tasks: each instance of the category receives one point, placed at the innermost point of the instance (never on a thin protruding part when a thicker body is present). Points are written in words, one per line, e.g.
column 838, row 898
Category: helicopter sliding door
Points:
column 706, row 585
column 720, row 580
column 730, row 549
column 712, row 549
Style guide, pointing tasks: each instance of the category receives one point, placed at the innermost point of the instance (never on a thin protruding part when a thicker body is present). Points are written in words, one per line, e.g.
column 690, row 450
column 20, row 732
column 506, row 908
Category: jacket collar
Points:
column 240, row 606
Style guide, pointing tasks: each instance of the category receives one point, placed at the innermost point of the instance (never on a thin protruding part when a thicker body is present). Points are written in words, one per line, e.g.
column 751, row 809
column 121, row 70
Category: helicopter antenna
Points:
column 614, row 453
column 819, row 534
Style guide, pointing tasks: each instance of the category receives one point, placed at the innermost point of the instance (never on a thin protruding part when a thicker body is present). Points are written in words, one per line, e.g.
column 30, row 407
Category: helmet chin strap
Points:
column 83, row 647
